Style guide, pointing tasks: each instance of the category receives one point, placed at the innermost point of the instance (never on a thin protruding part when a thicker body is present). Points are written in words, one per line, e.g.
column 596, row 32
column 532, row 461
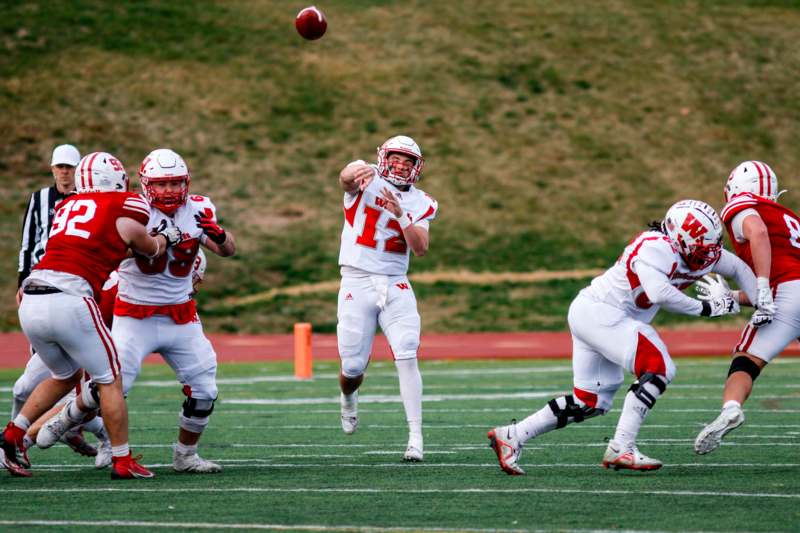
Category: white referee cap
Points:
column 66, row 154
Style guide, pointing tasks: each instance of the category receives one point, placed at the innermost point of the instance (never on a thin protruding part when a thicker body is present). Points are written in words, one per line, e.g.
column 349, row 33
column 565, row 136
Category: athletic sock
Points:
column 411, row 392
column 73, row 413
column 22, row 422
column 28, row 442
column 123, row 450
column 185, row 449
column 731, row 403
column 95, row 426
column 537, row 424
column 634, row 411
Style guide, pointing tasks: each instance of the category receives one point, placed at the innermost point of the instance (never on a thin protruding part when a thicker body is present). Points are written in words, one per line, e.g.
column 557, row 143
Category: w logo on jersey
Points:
column 693, row 227
column 403, row 286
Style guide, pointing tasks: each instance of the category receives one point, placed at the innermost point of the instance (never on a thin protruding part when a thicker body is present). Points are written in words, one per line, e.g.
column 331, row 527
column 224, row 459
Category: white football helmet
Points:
column 695, row 230
column 402, row 145
column 100, row 172
column 754, row 177
column 164, row 165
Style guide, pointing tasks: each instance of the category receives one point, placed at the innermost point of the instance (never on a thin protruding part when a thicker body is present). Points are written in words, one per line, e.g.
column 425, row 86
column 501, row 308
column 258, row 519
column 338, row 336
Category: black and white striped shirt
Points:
column 36, row 227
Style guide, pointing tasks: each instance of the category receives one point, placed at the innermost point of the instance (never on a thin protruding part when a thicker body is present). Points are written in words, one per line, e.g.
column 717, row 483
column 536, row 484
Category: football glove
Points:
column 712, row 287
column 765, row 302
column 723, row 305
column 205, row 221
column 760, row 318
column 173, row 234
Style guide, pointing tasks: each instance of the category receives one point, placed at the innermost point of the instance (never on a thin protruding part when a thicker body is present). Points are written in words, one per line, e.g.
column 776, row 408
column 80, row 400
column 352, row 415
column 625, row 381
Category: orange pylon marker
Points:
column 302, row 351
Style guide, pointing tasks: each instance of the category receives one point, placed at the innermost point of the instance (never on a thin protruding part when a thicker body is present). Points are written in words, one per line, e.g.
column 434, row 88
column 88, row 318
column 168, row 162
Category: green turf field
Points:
column 289, row 467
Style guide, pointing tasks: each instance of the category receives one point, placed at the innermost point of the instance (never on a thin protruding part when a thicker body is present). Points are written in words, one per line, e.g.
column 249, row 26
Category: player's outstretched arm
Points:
column 355, row 177
column 731, row 266
column 217, row 239
column 226, row 249
column 135, row 235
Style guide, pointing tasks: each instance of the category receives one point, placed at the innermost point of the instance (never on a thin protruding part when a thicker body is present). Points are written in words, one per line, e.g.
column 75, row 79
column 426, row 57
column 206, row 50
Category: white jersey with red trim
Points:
column 620, row 286
column 168, row 279
column 372, row 239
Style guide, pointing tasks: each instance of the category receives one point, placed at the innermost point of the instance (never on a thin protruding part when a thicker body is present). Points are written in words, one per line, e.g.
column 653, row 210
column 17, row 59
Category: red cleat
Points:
column 127, row 468
column 8, row 459
column 14, row 445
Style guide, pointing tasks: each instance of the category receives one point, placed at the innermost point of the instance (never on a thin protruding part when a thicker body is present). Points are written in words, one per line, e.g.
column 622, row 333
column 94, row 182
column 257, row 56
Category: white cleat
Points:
column 193, row 463
column 349, row 409
column 507, row 446
column 103, row 457
column 414, row 450
column 55, row 428
column 628, row 458
column 710, row 437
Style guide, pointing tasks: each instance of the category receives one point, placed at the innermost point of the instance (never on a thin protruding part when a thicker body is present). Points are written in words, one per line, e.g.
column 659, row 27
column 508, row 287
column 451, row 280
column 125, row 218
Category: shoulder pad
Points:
column 658, row 253
column 738, row 203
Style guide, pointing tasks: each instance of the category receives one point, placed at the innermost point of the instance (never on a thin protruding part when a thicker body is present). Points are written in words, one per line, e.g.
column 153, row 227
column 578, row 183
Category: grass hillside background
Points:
column 552, row 131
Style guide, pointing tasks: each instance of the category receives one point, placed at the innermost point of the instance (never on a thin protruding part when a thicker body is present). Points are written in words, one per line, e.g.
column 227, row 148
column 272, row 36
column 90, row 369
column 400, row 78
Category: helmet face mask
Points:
column 393, row 169
column 752, row 177
column 100, row 172
column 695, row 230
column 159, row 172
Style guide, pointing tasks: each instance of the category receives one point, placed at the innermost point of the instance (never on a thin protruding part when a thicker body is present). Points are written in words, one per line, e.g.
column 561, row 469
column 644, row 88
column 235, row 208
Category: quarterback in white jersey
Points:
column 155, row 311
column 385, row 218
column 611, row 332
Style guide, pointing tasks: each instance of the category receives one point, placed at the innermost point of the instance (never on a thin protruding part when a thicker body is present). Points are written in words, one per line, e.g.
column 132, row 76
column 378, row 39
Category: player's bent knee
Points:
column 571, row 409
column 195, row 414
column 742, row 363
column 639, row 389
column 353, row 367
column 407, row 347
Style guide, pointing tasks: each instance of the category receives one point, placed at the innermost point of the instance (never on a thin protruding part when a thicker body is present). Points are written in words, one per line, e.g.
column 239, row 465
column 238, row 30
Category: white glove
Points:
column 723, row 305
column 760, row 318
column 711, row 287
column 765, row 302
column 173, row 234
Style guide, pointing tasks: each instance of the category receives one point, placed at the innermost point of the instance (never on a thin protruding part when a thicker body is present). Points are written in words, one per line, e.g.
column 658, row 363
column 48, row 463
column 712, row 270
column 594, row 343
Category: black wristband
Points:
column 706, row 311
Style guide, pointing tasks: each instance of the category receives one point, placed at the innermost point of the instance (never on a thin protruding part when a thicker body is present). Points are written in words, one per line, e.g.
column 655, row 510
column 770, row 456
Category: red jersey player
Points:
column 766, row 235
column 91, row 233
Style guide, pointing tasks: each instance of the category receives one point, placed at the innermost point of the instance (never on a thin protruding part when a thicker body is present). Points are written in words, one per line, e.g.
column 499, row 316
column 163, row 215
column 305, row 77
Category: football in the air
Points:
column 311, row 23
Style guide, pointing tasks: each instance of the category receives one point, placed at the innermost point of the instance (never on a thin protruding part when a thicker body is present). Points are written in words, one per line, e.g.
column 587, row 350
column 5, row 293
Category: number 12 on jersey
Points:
column 394, row 244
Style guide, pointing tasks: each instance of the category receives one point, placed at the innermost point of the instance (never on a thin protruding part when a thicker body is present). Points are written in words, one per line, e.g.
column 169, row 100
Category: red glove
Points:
column 206, row 222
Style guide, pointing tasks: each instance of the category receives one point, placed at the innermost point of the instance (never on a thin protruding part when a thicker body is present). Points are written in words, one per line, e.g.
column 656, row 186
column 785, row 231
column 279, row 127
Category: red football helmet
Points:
column 164, row 165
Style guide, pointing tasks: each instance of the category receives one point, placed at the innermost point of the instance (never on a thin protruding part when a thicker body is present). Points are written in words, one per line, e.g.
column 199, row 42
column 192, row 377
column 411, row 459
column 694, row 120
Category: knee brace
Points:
column 195, row 413
column 742, row 363
column 90, row 396
column 639, row 390
column 566, row 410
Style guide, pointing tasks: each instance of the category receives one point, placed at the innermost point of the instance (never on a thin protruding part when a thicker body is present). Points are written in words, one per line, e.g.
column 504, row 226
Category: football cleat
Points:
column 349, row 409
column 710, row 437
column 103, row 458
column 8, row 459
column 13, row 440
column 414, row 449
column 193, row 463
column 74, row 439
column 505, row 443
column 628, row 457
column 128, row 468
column 55, row 428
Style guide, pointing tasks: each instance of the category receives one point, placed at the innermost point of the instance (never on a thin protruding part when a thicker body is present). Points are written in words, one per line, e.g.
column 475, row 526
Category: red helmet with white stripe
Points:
column 164, row 165
column 100, row 172
column 695, row 230
column 400, row 144
column 754, row 177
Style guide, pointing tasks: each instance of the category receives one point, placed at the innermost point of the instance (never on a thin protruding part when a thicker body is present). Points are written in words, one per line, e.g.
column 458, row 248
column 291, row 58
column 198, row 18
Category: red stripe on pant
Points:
column 648, row 358
column 108, row 344
column 589, row 398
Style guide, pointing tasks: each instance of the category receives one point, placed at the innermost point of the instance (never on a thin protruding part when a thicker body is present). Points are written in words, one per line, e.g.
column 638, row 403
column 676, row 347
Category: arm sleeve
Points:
column 28, row 241
column 660, row 292
column 731, row 266
column 737, row 224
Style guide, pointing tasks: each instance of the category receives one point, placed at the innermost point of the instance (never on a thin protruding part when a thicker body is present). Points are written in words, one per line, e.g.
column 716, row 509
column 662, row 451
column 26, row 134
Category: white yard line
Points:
column 352, row 490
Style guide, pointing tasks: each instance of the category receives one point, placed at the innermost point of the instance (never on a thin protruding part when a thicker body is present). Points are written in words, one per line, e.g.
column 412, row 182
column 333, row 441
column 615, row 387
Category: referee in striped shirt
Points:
column 39, row 215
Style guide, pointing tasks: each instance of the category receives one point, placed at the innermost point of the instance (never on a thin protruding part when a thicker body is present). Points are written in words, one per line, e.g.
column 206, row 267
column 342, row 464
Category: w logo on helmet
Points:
column 693, row 227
